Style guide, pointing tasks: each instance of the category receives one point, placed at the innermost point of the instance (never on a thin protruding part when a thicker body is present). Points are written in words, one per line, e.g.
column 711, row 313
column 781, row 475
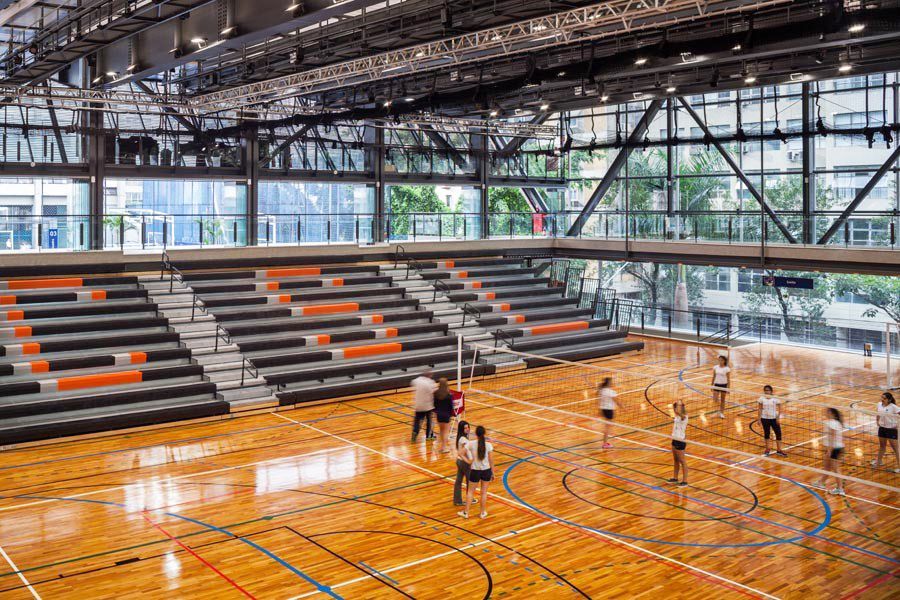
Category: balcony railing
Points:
column 156, row 230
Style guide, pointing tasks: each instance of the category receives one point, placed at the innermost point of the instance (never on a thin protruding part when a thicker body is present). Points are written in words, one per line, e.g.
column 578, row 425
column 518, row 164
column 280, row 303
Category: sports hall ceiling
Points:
column 323, row 60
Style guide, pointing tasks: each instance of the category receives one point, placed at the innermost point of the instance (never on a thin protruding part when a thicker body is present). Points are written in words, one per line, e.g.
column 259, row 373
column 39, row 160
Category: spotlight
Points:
column 750, row 79
column 292, row 7
column 604, row 98
column 111, row 73
column 845, row 68
column 198, row 40
column 494, row 113
column 227, row 30
column 670, row 89
column 410, row 99
column 545, row 106
column 856, row 28
column 736, row 48
column 387, row 103
column 641, row 61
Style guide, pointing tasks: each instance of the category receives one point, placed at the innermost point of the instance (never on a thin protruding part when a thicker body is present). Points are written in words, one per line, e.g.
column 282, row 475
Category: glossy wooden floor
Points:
column 334, row 501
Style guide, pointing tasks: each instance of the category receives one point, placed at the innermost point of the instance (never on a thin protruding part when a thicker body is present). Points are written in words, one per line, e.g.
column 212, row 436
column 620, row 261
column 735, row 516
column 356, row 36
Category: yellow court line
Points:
column 611, row 538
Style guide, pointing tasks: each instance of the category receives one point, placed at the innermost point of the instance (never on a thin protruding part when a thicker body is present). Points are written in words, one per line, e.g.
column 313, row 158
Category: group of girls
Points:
column 475, row 465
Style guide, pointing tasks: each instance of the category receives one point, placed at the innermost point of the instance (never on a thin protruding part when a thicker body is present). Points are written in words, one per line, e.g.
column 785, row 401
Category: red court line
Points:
column 871, row 584
column 580, row 530
column 198, row 557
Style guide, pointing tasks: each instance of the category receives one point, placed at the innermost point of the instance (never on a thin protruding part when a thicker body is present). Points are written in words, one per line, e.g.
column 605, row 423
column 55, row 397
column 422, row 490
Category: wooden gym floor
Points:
column 334, row 501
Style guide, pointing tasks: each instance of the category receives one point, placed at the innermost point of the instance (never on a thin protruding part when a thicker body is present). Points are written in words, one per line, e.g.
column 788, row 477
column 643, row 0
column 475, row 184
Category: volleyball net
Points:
column 568, row 392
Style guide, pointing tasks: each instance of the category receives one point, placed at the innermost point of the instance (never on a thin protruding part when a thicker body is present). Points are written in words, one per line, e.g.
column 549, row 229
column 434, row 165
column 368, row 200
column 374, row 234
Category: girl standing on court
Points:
column 443, row 408
column 608, row 406
column 481, row 463
column 834, row 450
column 679, row 443
column 887, row 429
column 462, row 463
column 768, row 414
column 720, row 382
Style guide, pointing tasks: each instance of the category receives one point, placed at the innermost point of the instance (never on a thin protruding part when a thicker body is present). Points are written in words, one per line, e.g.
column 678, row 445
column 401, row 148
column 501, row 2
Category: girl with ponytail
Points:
column 480, row 456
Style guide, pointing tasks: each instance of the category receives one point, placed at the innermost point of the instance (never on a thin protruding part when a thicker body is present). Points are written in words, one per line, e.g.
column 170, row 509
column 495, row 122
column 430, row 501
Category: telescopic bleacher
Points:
column 88, row 354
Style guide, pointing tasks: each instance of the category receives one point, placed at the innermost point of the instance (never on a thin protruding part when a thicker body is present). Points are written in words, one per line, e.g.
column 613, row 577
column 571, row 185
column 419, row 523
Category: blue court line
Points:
column 322, row 588
column 814, row 533
column 779, row 541
column 379, row 573
column 185, row 440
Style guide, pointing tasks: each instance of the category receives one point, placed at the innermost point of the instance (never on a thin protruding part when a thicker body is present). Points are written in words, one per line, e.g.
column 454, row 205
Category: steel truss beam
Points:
column 603, row 20
column 264, row 162
column 615, row 167
column 737, row 171
column 861, row 195
column 441, row 142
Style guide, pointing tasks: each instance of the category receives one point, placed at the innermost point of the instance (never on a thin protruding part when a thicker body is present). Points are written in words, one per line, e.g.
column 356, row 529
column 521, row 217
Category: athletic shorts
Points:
column 721, row 385
column 679, row 445
column 836, row 453
column 609, row 413
column 887, row 433
column 770, row 425
column 444, row 417
column 480, row 475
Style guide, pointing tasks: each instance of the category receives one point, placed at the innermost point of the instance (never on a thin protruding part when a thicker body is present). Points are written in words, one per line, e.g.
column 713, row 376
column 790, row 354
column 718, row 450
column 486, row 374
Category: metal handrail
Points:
column 222, row 333
column 247, row 366
column 470, row 310
column 506, row 337
column 399, row 254
column 440, row 284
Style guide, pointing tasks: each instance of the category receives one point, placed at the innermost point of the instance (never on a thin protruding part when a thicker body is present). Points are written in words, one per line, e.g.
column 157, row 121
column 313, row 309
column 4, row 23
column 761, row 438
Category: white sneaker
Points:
column 463, row 514
column 836, row 492
column 875, row 463
column 721, row 415
column 483, row 515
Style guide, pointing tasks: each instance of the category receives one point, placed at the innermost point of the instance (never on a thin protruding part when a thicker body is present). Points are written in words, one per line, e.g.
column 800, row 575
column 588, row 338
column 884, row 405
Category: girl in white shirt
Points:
column 768, row 414
column 887, row 429
column 462, row 465
column 679, row 443
column 480, row 456
column 834, row 450
column 721, row 379
column 608, row 406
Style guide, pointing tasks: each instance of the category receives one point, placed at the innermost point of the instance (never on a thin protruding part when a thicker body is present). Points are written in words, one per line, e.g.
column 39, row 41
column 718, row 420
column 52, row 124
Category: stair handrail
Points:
column 413, row 264
column 502, row 334
column 222, row 333
column 470, row 310
column 440, row 284
column 247, row 366
column 400, row 255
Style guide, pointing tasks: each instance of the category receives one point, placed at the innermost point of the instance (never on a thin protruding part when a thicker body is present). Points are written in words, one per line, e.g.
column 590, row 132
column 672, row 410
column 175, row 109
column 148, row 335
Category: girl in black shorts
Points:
column 834, row 450
column 480, row 456
column 768, row 414
column 443, row 408
column 679, row 442
column 887, row 429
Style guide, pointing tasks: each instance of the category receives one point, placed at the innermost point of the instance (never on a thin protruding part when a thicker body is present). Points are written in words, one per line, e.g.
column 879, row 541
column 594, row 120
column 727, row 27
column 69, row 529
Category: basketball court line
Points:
column 10, row 562
column 433, row 557
column 612, row 539
column 173, row 479
column 699, row 457
column 590, row 399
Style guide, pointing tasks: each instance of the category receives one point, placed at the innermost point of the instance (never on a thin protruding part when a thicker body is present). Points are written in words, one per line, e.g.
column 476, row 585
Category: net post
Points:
column 459, row 349
column 887, row 354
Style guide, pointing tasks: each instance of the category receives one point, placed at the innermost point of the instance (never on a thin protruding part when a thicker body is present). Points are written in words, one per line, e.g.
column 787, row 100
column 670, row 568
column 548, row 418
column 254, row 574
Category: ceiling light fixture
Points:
column 845, row 68
column 387, row 103
column 410, row 99
column 640, row 61
column 198, row 40
column 856, row 28
column 494, row 113
column 750, row 79
column 292, row 7
column 111, row 73
column 604, row 98
column 545, row 106
column 670, row 89
column 227, row 30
